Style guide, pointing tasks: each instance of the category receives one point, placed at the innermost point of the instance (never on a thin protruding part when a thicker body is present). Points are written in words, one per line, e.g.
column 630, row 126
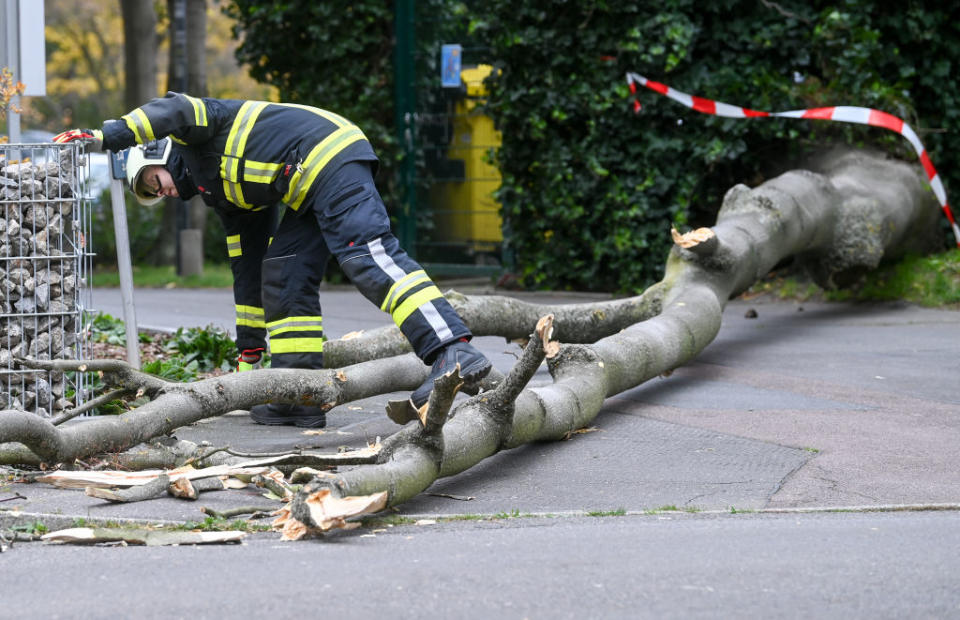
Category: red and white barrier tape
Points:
column 845, row 114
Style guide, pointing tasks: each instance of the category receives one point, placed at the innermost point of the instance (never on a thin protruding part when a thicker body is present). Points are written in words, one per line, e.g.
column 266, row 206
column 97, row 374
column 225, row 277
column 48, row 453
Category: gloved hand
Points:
column 249, row 359
column 92, row 137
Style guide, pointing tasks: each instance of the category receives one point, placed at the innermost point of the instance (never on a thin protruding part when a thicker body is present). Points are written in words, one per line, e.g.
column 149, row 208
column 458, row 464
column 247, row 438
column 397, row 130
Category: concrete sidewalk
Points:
column 812, row 405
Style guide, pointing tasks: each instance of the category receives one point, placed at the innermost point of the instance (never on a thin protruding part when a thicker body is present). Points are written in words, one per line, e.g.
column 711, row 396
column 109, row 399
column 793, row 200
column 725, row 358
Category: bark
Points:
column 838, row 224
column 139, row 51
column 175, row 404
column 197, row 86
column 496, row 315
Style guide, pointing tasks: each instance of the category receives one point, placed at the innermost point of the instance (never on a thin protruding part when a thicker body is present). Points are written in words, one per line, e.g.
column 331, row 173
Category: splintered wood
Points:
column 700, row 241
column 328, row 512
column 545, row 333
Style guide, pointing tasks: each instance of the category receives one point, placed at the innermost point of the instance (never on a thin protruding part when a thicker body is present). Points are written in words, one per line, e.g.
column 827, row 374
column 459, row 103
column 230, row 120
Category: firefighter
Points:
column 246, row 157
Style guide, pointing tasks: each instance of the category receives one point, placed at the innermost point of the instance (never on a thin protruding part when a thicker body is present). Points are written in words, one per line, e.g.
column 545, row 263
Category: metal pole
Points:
column 11, row 58
column 404, row 104
column 124, row 265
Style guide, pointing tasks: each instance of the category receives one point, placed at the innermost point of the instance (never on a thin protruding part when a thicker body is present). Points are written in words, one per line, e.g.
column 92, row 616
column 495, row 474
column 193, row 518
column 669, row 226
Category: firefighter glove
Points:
column 92, row 138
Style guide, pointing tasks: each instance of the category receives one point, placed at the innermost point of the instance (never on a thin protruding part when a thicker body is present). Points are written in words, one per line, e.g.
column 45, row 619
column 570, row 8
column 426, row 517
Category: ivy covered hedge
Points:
column 339, row 56
column 590, row 189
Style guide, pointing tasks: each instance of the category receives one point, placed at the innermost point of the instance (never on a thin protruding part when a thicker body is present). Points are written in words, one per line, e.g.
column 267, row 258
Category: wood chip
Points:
column 151, row 538
column 183, row 489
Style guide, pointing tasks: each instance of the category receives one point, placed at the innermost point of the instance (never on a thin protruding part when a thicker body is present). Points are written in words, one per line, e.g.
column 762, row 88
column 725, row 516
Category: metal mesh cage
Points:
column 45, row 218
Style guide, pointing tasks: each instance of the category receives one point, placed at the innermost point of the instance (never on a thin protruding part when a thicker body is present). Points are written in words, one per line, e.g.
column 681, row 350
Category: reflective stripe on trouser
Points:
column 291, row 274
column 356, row 229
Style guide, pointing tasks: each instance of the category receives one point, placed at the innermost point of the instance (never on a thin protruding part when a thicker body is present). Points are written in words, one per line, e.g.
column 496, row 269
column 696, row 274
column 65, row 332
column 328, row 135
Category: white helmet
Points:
column 155, row 153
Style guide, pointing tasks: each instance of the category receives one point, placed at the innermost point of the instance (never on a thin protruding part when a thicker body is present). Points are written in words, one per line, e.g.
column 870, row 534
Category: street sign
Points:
column 450, row 57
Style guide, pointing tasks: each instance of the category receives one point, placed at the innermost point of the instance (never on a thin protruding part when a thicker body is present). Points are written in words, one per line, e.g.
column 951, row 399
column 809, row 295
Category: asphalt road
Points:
column 840, row 565
column 804, row 407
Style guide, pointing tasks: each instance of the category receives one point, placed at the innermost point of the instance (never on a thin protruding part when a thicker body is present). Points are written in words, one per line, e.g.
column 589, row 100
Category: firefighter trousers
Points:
column 346, row 219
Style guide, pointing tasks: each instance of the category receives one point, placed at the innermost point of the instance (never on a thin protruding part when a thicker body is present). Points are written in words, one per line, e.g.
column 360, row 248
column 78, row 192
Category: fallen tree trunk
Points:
column 838, row 224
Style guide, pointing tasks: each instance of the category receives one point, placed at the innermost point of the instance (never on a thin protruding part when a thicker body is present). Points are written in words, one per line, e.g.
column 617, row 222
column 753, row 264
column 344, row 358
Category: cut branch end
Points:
column 702, row 241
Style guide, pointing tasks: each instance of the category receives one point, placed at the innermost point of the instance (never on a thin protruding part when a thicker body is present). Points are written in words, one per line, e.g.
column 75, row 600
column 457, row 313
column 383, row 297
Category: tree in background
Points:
column 85, row 76
column 9, row 90
column 588, row 188
column 140, row 41
column 93, row 75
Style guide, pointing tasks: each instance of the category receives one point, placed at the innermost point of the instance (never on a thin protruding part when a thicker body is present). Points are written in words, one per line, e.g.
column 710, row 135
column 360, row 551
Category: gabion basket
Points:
column 45, row 289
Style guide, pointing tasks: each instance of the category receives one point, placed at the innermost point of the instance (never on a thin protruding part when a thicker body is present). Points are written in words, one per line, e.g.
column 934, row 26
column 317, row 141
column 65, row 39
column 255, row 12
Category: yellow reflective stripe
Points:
column 250, row 322
column 242, row 126
column 235, row 194
column 229, row 167
column 199, row 111
column 260, row 171
column 236, row 143
column 296, row 324
column 145, row 123
column 336, row 119
column 296, row 319
column 410, row 304
column 239, row 125
column 132, row 126
column 139, row 124
column 296, row 345
column 295, row 328
column 320, row 155
column 234, row 249
column 251, row 316
column 177, row 140
column 405, row 282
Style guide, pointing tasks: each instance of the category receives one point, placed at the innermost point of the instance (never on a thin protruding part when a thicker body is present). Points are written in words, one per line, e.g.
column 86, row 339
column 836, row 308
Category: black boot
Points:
column 289, row 415
column 473, row 368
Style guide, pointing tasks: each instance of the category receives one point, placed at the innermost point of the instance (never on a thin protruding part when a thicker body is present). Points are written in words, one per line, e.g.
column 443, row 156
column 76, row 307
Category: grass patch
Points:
column 214, row 276
column 463, row 518
column 619, row 512
column 37, row 528
column 513, row 514
column 212, row 524
column 932, row 281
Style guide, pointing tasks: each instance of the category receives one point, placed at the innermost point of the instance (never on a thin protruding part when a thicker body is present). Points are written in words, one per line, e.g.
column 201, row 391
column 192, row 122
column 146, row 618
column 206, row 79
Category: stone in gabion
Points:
column 41, row 253
column 55, row 187
column 43, row 391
